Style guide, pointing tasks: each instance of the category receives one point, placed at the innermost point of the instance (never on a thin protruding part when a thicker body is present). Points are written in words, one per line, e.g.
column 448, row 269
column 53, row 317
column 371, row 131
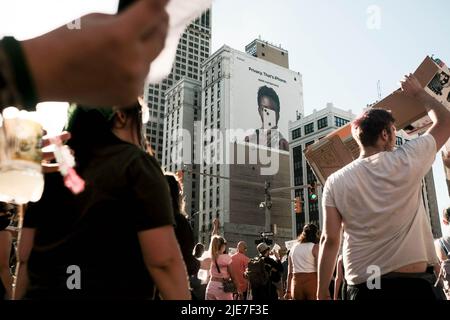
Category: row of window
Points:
column 321, row 123
column 155, row 125
column 203, row 43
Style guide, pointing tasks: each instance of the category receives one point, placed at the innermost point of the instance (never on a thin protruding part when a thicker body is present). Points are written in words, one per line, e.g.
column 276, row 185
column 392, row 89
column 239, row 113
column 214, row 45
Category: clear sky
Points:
column 341, row 47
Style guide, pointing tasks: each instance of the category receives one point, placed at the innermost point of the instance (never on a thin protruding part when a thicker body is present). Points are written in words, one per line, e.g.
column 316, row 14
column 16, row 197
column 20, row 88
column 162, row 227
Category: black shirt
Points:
column 185, row 237
column 96, row 230
column 276, row 268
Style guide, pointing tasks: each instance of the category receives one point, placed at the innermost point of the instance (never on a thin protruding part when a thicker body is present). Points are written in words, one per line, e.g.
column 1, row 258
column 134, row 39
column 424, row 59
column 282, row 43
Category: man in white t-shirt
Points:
column 377, row 200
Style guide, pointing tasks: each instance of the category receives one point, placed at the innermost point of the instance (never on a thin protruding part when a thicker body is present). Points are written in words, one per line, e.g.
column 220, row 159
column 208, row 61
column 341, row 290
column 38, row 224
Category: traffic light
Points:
column 312, row 194
column 298, row 205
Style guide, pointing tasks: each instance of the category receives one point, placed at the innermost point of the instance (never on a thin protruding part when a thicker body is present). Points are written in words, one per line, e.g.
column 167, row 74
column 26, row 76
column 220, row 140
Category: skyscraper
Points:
column 194, row 47
column 183, row 112
column 245, row 98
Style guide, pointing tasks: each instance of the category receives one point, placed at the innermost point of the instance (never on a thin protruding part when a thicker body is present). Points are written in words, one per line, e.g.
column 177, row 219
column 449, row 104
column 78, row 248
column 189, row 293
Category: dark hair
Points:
column 176, row 193
column 309, row 234
column 91, row 128
column 198, row 251
column 6, row 215
column 265, row 91
column 446, row 214
column 370, row 124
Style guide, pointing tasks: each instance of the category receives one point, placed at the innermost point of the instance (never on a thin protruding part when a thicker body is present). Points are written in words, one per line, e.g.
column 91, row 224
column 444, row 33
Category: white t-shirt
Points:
column 302, row 258
column 380, row 201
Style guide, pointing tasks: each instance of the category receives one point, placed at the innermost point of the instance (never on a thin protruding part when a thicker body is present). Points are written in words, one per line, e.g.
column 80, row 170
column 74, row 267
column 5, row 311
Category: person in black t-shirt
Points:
column 183, row 231
column 275, row 269
column 114, row 239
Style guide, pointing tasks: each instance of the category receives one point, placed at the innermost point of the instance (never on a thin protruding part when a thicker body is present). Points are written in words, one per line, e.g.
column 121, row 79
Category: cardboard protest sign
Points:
column 339, row 148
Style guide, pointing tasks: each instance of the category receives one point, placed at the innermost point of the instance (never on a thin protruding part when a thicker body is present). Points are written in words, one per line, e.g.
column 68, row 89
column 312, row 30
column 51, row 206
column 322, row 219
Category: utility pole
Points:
column 268, row 202
column 267, row 206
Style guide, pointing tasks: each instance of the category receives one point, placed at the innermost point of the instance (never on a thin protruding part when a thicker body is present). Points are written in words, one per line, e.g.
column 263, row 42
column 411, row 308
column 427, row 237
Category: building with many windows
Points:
column 304, row 132
column 233, row 191
column 194, row 47
column 183, row 112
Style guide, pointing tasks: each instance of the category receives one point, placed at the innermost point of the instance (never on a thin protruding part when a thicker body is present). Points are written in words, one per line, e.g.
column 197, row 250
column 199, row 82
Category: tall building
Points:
column 268, row 52
column 304, row 132
column 431, row 205
column 194, row 47
column 182, row 105
column 235, row 86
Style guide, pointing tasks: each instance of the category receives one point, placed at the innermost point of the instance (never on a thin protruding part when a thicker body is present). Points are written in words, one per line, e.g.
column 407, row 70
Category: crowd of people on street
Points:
column 127, row 234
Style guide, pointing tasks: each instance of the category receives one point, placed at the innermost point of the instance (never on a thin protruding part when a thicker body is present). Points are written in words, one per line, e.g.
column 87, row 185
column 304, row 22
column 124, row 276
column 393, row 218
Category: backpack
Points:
column 444, row 274
column 257, row 273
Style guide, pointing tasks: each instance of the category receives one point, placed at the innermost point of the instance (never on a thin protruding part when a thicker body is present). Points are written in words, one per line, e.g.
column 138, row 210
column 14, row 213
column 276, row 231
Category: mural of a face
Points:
column 268, row 103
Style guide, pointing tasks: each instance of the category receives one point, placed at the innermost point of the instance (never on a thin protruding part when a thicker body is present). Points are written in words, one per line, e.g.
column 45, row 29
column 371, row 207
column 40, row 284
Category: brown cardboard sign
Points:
column 339, row 148
column 327, row 156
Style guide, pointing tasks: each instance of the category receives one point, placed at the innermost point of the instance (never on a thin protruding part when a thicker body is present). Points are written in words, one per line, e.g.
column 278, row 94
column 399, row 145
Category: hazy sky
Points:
column 341, row 47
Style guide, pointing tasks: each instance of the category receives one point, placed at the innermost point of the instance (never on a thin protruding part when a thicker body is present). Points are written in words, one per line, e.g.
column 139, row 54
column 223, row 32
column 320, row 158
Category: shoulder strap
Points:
column 217, row 266
column 443, row 246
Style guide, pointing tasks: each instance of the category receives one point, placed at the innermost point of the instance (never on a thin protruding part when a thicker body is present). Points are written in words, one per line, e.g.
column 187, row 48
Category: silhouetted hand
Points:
column 47, row 166
column 105, row 62
column 411, row 86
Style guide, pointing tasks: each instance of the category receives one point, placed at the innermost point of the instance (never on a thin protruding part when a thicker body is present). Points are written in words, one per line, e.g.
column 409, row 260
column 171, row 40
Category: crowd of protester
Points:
column 127, row 234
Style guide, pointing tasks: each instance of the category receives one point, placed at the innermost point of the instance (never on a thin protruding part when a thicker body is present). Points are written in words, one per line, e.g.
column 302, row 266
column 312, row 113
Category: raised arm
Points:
column 216, row 225
column 438, row 113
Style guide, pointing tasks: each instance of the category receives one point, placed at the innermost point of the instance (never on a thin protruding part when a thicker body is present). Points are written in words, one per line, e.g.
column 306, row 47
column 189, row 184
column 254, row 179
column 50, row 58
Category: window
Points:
column 339, row 122
column 309, row 128
column 298, row 169
column 297, row 133
column 322, row 123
